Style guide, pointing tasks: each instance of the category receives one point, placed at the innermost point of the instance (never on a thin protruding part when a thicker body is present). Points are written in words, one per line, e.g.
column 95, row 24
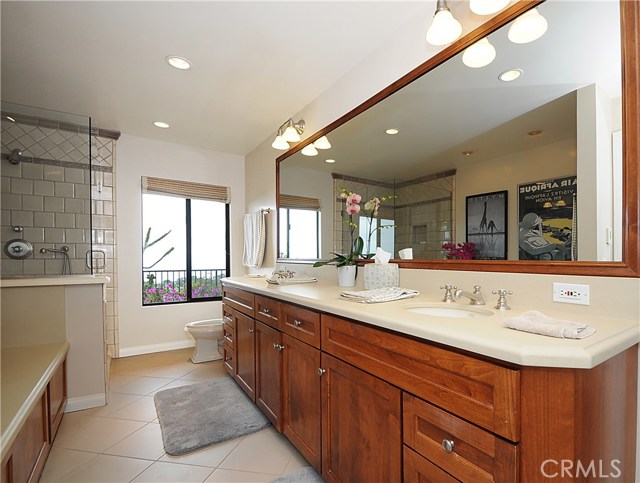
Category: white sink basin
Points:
column 441, row 310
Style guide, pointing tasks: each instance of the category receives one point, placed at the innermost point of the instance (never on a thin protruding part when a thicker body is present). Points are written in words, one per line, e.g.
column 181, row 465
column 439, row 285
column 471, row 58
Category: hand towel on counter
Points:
column 539, row 323
column 255, row 238
column 379, row 295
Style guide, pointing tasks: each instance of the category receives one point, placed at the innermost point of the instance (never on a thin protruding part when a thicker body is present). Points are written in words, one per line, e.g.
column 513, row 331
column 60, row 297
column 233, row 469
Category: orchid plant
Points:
column 370, row 210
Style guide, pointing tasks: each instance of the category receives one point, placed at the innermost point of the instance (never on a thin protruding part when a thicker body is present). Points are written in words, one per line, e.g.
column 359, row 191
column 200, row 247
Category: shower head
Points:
column 15, row 156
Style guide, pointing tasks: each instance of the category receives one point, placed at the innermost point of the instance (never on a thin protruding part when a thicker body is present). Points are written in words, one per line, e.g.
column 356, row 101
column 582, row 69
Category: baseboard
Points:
column 151, row 348
column 85, row 402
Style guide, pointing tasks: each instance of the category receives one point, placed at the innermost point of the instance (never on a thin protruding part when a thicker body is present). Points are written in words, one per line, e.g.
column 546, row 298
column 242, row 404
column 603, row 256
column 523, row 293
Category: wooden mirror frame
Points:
column 630, row 47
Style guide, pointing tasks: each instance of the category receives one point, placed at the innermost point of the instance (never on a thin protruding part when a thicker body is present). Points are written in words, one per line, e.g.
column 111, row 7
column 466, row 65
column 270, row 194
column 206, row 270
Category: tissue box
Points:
column 381, row 275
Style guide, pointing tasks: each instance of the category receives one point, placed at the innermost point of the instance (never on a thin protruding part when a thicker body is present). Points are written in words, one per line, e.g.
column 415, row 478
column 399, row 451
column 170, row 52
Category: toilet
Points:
column 208, row 337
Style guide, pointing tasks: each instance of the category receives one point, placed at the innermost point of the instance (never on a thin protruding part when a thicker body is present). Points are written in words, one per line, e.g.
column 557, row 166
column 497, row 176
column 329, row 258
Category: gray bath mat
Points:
column 193, row 417
column 303, row 475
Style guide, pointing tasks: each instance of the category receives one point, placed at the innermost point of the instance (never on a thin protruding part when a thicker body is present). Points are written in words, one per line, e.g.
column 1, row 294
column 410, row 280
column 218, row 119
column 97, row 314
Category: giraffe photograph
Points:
column 487, row 224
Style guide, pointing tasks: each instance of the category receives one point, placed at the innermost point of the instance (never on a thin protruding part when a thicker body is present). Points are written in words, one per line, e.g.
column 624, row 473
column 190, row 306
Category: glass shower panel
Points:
column 46, row 175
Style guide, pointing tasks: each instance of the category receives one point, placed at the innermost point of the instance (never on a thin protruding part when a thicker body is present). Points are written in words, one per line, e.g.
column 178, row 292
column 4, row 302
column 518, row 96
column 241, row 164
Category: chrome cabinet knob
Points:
column 321, row 371
column 265, row 311
column 447, row 445
column 251, row 331
column 278, row 347
column 297, row 323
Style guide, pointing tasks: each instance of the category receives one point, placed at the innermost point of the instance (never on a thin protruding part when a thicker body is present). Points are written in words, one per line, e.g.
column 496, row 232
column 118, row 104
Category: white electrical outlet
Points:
column 571, row 293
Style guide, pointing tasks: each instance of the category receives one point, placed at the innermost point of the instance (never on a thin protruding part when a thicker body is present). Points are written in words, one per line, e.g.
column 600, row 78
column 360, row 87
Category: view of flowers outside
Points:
column 165, row 249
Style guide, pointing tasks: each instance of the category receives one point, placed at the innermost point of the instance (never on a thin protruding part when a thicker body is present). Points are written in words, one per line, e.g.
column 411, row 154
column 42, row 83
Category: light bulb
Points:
column 487, row 7
column 528, row 27
column 310, row 150
column 322, row 143
column 479, row 54
column 510, row 75
column 291, row 135
column 444, row 28
column 178, row 62
column 280, row 143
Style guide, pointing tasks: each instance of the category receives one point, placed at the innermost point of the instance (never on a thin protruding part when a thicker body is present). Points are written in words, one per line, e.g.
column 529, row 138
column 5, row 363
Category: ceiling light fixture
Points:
column 535, row 132
column 445, row 28
column 479, row 54
column 310, row 150
column 160, row 124
column 392, row 132
column 178, row 62
column 487, row 7
column 330, row 161
column 527, row 27
column 510, row 75
column 288, row 132
column 467, row 153
column 322, row 143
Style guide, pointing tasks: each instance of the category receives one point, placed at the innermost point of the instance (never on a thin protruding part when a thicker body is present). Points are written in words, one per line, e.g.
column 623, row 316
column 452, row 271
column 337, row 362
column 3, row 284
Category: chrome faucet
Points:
column 283, row 273
column 448, row 297
column 475, row 298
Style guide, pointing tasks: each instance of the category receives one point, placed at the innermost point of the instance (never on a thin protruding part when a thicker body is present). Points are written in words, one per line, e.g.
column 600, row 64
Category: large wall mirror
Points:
column 549, row 160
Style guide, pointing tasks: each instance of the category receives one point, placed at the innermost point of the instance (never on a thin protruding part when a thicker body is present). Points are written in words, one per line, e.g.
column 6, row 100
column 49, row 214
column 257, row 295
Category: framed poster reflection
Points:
column 486, row 224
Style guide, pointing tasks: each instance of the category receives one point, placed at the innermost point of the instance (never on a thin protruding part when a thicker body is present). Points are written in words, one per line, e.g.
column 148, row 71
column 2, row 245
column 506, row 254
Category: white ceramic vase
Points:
column 347, row 275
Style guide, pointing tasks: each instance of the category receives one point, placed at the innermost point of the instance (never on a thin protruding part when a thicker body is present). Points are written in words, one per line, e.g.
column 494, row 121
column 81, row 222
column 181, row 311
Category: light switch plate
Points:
column 571, row 293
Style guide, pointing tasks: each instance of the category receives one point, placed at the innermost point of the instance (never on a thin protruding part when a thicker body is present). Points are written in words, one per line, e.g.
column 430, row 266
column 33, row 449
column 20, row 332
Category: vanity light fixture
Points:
column 160, row 124
column 487, row 7
column 330, row 161
column 510, row 75
column 288, row 132
column 310, row 150
column 322, row 143
column 528, row 27
column 479, row 54
column 178, row 62
column 392, row 132
column 445, row 28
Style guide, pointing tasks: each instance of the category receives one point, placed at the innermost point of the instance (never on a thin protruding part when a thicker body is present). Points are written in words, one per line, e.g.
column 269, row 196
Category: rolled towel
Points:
column 539, row 323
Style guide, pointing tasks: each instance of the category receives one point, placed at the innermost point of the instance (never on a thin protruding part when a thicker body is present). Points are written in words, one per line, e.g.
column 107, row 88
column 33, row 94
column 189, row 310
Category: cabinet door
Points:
column 269, row 350
column 361, row 425
column 31, row 446
column 57, row 398
column 301, row 405
column 245, row 354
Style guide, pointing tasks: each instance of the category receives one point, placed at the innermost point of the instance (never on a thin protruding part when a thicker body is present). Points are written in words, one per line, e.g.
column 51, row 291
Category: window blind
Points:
column 299, row 202
column 186, row 189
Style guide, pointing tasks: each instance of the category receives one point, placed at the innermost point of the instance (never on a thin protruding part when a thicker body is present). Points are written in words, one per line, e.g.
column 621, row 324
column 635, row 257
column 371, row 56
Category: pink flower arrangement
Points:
column 462, row 251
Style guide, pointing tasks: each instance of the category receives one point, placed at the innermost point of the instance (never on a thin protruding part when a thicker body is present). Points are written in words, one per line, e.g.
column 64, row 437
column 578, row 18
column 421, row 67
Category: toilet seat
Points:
column 208, row 339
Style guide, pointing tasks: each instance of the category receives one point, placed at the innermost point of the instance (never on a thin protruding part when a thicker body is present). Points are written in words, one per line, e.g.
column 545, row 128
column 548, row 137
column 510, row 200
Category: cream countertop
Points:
column 26, row 371
column 49, row 280
column 482, row 335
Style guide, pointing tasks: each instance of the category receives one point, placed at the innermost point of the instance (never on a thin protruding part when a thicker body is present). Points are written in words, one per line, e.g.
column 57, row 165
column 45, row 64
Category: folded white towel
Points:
column 291, row 281
column 378, row 295
column 539, row 323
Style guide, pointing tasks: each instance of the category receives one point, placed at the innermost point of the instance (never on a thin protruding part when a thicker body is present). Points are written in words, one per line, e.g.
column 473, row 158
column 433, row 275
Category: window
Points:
column 384, row 227
column 185, row 248
column 299, row 220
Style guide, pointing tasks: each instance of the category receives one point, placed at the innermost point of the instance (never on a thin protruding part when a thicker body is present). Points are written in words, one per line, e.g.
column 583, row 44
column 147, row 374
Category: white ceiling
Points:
column 254, row 63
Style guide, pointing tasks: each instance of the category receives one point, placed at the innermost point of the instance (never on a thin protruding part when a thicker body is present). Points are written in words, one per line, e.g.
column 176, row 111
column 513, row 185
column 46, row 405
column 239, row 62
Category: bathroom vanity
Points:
column 375, row 392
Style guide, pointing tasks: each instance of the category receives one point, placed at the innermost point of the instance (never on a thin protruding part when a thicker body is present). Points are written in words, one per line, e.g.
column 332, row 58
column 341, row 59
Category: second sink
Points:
column 438, row 310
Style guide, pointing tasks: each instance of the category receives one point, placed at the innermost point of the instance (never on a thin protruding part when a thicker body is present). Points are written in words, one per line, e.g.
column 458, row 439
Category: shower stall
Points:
column 52, row 179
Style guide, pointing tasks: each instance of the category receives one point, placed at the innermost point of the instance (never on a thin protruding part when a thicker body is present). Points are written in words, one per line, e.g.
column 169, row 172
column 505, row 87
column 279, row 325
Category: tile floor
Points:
column 121, row 442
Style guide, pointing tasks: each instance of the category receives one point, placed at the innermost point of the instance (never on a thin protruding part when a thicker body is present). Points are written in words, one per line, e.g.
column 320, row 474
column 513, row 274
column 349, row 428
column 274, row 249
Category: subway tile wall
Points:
column 54, row 196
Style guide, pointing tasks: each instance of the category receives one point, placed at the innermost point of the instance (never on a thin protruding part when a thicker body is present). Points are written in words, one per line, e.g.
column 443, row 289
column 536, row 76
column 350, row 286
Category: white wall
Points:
column 150, row 329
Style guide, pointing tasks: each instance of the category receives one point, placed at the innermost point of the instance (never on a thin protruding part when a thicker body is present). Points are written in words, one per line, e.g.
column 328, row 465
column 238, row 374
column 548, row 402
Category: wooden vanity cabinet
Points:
column 269, row 354
column 245, row 344
column 57, row 398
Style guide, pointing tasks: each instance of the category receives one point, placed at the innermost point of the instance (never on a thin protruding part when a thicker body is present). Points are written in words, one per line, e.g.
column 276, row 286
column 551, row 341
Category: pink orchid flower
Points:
column 353, row 209
column 354, row 198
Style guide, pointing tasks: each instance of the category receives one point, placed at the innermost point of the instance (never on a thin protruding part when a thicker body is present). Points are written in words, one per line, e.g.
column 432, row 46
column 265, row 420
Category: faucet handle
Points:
column 502, row 298
column 476, row 289
column 448, row 297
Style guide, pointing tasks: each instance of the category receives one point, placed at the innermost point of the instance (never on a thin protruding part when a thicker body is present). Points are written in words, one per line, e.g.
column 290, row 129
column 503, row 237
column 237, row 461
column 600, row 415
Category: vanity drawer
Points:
column 268, row 311
column 303, row 324
column 228, row 334
column 420, row 470
column 239, row 300
column 471, row 454
column 477, row 390
column 228, row 359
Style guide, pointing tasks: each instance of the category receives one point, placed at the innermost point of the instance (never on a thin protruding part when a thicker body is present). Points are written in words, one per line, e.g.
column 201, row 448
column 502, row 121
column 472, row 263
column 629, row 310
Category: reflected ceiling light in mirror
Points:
column 161, row 125
column 467, row 153
column 528, row 27
column 330, row 161
column 479, row 54
column 322, row 143
column 535, row 132
column 178, row 62
column 280, row 143
column 392, row 132
column 445, row 28
column 310, row 150
column 510, row 75
column 487, row 7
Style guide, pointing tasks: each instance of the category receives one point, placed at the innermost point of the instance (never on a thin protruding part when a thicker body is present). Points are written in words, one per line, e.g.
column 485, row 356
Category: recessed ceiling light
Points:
column 467, row 153
column 330, row 161
column 535, row 132
column 178, row 62
column 392, row 131
column 161, row 124
column 510, row 75
column 11, row 119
